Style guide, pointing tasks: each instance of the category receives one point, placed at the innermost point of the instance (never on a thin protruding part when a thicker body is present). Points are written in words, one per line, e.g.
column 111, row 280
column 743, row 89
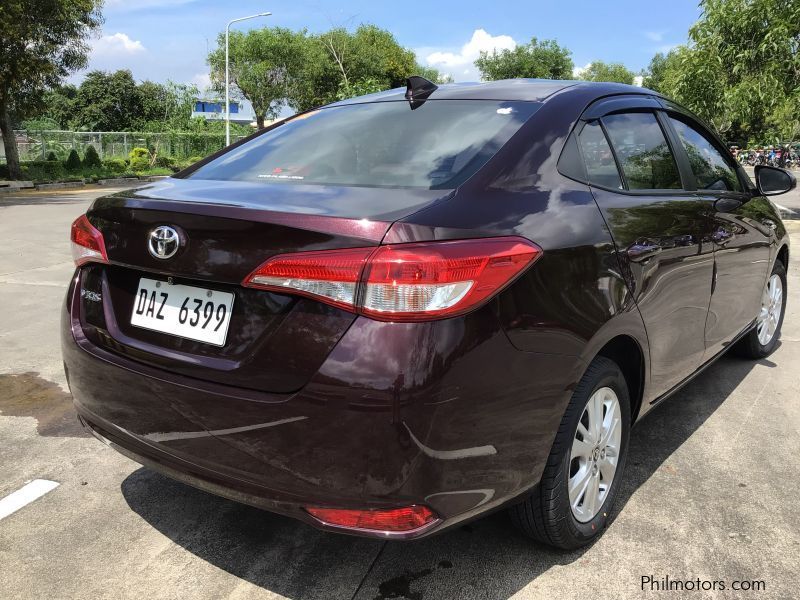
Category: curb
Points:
column 117, row 181
column 60, row 186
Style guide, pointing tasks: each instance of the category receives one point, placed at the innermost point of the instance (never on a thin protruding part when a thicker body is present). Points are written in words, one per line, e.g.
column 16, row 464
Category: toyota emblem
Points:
column 163, row 242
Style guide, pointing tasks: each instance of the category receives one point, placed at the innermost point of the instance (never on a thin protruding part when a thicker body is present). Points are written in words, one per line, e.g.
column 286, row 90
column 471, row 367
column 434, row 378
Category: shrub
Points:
column 91, row 160
column 73, row 162
column 140, row 159
column 43, row 170
column 115, row 165
column 165, row 162
column 51, row 156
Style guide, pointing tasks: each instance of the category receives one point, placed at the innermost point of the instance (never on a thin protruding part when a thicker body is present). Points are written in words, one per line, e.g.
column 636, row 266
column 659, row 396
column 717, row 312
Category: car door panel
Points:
column 742, row 256
column 740, row 232
column 667, row 260
column 661, row 232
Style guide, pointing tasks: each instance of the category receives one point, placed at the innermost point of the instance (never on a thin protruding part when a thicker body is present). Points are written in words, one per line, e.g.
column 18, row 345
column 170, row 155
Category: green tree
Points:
column 741, row 69
column 165, row 108
column 539, row 59
column 659, row 73
column 107, row 102
column 152, row 100
column 266, row 65
column 351, row 63
column 40, row 124
column 41, row 42
column 601, row 71
column 276, row 67
column 57, row 106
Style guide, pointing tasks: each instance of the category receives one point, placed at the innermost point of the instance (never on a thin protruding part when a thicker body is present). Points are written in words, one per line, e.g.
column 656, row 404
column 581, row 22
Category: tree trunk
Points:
column 260, row 121
column 9, row 143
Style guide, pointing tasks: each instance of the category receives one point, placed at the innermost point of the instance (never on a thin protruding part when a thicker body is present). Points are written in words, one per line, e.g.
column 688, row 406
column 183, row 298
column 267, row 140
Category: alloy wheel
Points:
column 595, row 454
column 771, row 307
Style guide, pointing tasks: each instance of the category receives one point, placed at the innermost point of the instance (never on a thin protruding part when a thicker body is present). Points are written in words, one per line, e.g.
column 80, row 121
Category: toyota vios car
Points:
column 395, row 313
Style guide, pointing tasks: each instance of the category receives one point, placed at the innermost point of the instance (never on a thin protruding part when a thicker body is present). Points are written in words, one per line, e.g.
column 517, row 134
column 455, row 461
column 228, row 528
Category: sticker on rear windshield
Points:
column 274, row 176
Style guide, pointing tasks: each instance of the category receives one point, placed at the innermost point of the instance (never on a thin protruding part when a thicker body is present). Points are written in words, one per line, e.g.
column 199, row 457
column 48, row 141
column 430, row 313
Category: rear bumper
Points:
column 448, row 415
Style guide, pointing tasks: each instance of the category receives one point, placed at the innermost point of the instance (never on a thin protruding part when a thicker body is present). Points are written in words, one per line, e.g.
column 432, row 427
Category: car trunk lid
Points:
column 275, row 342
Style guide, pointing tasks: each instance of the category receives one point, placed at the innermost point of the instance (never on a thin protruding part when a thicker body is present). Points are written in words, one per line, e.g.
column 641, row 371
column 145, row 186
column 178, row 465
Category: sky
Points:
column 170, row 39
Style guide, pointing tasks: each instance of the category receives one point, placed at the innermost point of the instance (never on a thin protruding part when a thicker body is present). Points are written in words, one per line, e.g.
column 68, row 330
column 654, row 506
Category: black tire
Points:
column 546, row 515
column 749, row 346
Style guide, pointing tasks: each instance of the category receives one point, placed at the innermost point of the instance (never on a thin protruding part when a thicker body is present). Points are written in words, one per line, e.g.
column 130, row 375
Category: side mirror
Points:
column 772, row 181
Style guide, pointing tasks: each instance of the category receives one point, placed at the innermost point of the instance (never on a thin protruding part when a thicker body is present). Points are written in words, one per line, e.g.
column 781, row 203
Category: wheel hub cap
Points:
column 771, row 308
column 594, row 455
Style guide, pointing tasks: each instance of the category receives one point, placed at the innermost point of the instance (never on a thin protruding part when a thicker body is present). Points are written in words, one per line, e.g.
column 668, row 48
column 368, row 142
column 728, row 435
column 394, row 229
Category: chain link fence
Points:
column 37, row 145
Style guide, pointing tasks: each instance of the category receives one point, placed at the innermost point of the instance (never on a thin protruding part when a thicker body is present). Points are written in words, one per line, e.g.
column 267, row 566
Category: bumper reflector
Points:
column 407, row 518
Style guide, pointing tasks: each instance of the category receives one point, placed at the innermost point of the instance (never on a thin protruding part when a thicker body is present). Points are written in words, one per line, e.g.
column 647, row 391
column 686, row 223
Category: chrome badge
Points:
column 163, row 242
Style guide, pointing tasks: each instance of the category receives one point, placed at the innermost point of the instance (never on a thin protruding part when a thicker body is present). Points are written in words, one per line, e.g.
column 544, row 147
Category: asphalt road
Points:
column 711, row 488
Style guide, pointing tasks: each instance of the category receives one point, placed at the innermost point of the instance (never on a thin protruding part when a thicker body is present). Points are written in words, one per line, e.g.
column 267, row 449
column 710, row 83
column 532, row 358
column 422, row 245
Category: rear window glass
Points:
column 642, row 152
column 600, row 166
column 438, row 145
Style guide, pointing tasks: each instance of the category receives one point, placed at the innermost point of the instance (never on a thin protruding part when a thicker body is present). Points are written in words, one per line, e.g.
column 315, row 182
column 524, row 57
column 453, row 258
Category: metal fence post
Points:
column 125, row 143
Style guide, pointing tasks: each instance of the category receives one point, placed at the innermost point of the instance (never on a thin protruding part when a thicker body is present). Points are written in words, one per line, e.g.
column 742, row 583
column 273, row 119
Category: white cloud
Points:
column 637, row 81
column 461, row 61
column 578, row 71
column 116, row 44
column 202, row 81
column 655, row 36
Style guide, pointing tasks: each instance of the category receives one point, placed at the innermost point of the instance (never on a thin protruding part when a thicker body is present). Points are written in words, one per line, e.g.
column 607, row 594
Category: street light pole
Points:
column 227, row 74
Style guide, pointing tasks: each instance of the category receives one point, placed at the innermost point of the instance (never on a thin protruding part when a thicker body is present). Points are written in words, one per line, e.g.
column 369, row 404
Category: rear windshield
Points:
column 438, row 145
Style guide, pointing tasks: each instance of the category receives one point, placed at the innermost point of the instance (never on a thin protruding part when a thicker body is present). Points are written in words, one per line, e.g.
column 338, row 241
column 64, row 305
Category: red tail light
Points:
column 331, row 276
column 87, row 242
column 402, row 282
column 407, row 518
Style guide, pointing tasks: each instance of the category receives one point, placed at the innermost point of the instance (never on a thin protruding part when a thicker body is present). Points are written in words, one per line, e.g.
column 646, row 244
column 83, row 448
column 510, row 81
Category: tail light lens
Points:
column 407, row 518
column 87, row 242
column 331, row 276
column 402, row 282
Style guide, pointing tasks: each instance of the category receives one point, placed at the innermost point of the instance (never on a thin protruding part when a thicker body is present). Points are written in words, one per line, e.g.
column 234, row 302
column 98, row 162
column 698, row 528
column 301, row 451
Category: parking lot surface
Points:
column 710, row 490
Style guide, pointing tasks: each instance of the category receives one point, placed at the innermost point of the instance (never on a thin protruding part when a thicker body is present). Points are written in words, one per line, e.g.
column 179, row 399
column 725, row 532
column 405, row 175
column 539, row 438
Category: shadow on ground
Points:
column 485, row 559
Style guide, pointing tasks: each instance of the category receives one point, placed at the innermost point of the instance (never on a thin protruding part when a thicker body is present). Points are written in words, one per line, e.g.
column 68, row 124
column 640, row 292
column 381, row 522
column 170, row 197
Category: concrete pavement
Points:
column 710, row 488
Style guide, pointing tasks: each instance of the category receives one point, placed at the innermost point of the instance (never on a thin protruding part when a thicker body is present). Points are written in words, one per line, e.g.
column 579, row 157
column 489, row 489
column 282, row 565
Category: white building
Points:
column 213, row 109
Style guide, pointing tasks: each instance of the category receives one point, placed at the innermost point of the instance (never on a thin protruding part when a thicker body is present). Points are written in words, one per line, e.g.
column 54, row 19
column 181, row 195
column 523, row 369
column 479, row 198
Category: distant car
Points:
column 398, row 312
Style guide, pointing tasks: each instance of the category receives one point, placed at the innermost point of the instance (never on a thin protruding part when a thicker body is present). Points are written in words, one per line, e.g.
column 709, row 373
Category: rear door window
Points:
column 438, row 145
column 711, row 170
column 642, row 151
column 601, row 169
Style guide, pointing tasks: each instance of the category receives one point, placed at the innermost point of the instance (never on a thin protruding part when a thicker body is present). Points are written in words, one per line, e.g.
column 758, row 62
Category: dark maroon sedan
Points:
column 395, row 313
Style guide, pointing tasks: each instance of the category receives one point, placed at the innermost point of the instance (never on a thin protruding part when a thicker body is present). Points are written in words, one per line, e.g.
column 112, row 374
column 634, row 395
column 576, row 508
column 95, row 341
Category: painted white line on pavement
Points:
column 25, row 495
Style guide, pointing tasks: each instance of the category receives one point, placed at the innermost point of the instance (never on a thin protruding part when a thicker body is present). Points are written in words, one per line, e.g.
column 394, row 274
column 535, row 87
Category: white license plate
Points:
column 182, row 310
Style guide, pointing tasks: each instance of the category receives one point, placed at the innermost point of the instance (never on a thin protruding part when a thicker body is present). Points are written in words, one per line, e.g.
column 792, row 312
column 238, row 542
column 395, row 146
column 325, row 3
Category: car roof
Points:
column 531, row 90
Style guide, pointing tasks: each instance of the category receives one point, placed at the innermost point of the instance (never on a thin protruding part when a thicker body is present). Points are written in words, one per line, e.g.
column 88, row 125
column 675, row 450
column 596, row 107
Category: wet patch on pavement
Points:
column 29, row 395
column 400, row 586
